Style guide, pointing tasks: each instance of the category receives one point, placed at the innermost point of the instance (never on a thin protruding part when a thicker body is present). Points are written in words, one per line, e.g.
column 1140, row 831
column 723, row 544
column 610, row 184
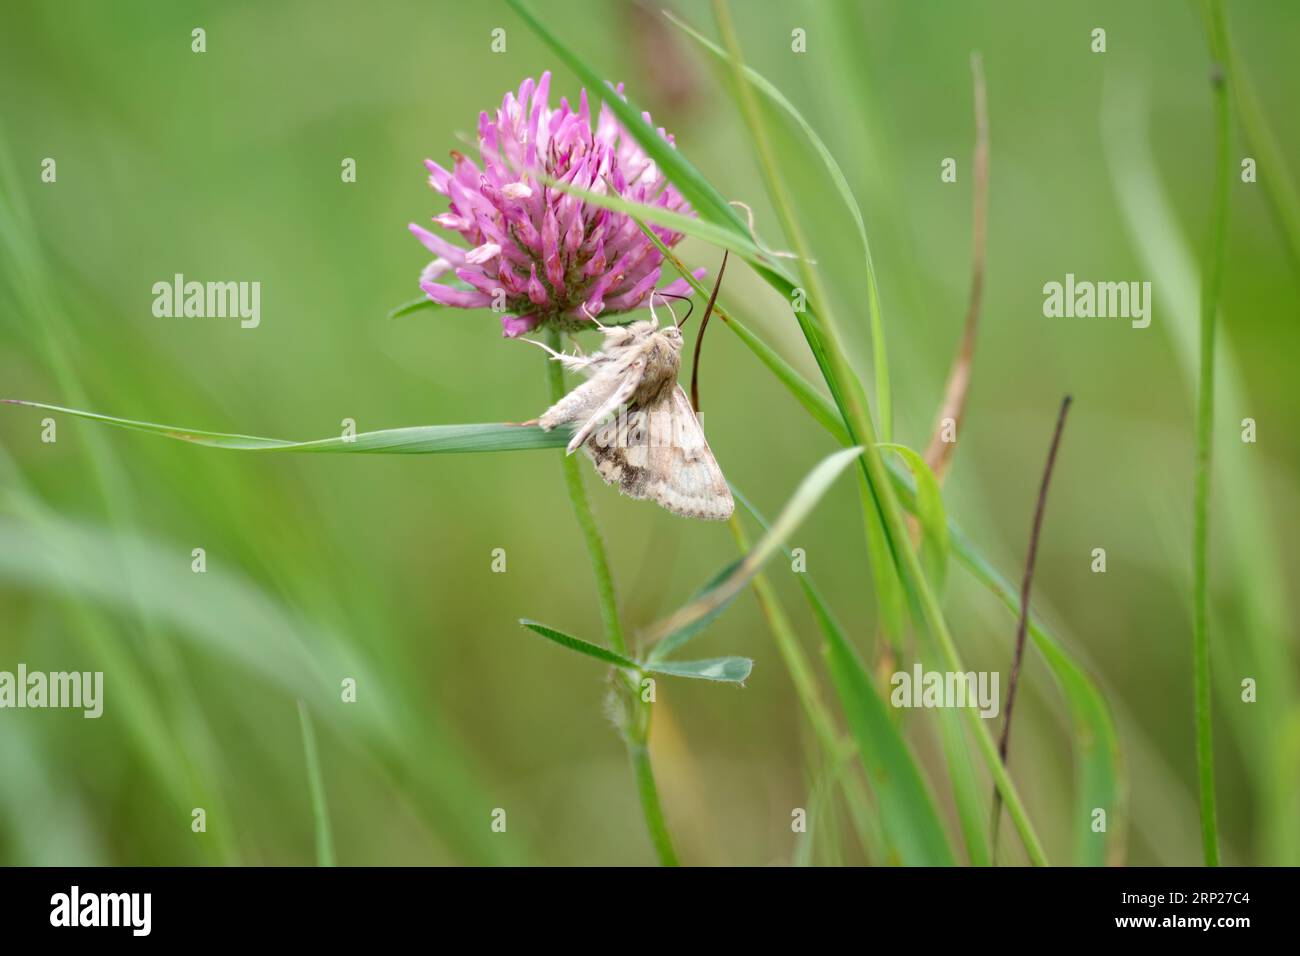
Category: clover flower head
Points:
column 534, row 251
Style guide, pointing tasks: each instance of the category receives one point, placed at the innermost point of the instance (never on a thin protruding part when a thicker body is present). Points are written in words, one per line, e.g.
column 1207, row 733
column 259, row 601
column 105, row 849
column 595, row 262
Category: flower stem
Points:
column 649, row 793
column 637, row 727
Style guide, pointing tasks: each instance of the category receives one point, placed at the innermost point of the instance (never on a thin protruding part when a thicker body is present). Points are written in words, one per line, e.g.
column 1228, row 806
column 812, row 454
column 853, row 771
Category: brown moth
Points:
column 636, row 423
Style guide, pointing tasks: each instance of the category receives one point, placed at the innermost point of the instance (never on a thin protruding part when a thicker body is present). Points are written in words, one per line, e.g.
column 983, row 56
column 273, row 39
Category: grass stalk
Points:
column 800, row 669
column 938, row 455
column 847, row 391
column 1022, row 624
column 637, row 729
column 1211, row 284
column 316, row 785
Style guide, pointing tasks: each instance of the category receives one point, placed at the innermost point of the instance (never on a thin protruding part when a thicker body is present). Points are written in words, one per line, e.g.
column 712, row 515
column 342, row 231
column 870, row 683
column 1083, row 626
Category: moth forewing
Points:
column 637, row 425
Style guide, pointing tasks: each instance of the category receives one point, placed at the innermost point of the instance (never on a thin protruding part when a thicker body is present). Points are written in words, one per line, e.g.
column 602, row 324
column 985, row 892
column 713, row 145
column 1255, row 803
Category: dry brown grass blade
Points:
column 939, row 453
column 1022, row 625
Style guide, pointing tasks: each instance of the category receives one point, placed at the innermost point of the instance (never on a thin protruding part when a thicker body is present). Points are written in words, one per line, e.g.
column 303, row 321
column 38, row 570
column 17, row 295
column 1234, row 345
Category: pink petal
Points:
column 434, row 269
column 460, row 298
column 481, row 254
column 438, row 177
column 438, row 246
column 681, row 286
column 513, row 326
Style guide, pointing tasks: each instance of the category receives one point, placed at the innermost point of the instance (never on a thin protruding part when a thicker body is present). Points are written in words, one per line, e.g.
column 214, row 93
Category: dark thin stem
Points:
column 1022, row 626
column 699, row 339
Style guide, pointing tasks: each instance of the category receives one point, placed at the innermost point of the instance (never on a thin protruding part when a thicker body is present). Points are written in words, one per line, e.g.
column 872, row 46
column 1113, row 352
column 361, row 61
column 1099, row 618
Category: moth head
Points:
column 673, row 335
column 617, row 336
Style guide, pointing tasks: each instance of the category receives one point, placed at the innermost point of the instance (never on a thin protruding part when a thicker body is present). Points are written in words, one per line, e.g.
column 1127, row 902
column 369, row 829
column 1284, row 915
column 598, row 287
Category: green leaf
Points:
column 676, row 639
column 930, row 512
column 416, row 440
column 904, row 797
column 806, row 496
column 579, row 645
column 764, row 86
column 734, row 670
column 909, row 818
column 416, row 305
column 972, row 807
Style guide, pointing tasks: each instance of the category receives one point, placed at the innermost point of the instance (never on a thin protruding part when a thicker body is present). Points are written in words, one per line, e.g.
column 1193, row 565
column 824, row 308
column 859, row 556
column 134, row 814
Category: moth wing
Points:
column 621, row 395
column 660, row 453
column 686, row 477
column 579, row 404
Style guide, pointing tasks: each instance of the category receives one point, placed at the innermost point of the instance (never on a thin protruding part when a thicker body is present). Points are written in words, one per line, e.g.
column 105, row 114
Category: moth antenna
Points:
column 654, row 318
column 690, row 305
column 595, row 321
column 699, row 339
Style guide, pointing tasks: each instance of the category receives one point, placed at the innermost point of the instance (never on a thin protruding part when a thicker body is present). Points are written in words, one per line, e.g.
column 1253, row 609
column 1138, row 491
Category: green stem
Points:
column 649, row 794
column 848, row 395
column 637, row 732
column 1278, row 183
column 586, row 522
column 316, row 788
column 836, row 750
column 1211, row 283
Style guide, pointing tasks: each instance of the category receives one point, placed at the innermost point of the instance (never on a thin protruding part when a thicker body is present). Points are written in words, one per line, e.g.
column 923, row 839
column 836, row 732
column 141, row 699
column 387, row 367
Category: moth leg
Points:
column 574, row 363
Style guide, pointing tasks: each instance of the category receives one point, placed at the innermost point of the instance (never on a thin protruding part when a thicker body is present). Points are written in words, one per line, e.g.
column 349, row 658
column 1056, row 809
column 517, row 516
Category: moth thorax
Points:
column 660, row 376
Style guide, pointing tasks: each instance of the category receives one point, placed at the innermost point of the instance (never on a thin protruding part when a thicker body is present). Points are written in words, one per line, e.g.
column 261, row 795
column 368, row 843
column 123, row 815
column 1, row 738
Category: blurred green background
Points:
column 225, row 166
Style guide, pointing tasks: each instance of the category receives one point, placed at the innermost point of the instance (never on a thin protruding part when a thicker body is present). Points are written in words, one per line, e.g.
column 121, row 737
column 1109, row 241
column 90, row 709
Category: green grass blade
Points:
column 223, row 614
column 417, row 305
column 416, row 440
column 805, row 497
column 671, row 642
column 1098, row 764
column 884, row 401
column 733, row 670
column 704, row 230
column 817, row 404
column 316, row 786
column 930, row 512
column 1277, row 178
column 1250, row 547
column 910, row 818
column 1211, row 284
column 579, row 645
column 836, row 751
column 910, row 822
column 972, row 808
column 708, row 202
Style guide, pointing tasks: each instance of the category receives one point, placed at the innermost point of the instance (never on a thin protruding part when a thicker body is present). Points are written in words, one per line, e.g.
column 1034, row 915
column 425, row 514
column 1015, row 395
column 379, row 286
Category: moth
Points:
column 636, row 424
